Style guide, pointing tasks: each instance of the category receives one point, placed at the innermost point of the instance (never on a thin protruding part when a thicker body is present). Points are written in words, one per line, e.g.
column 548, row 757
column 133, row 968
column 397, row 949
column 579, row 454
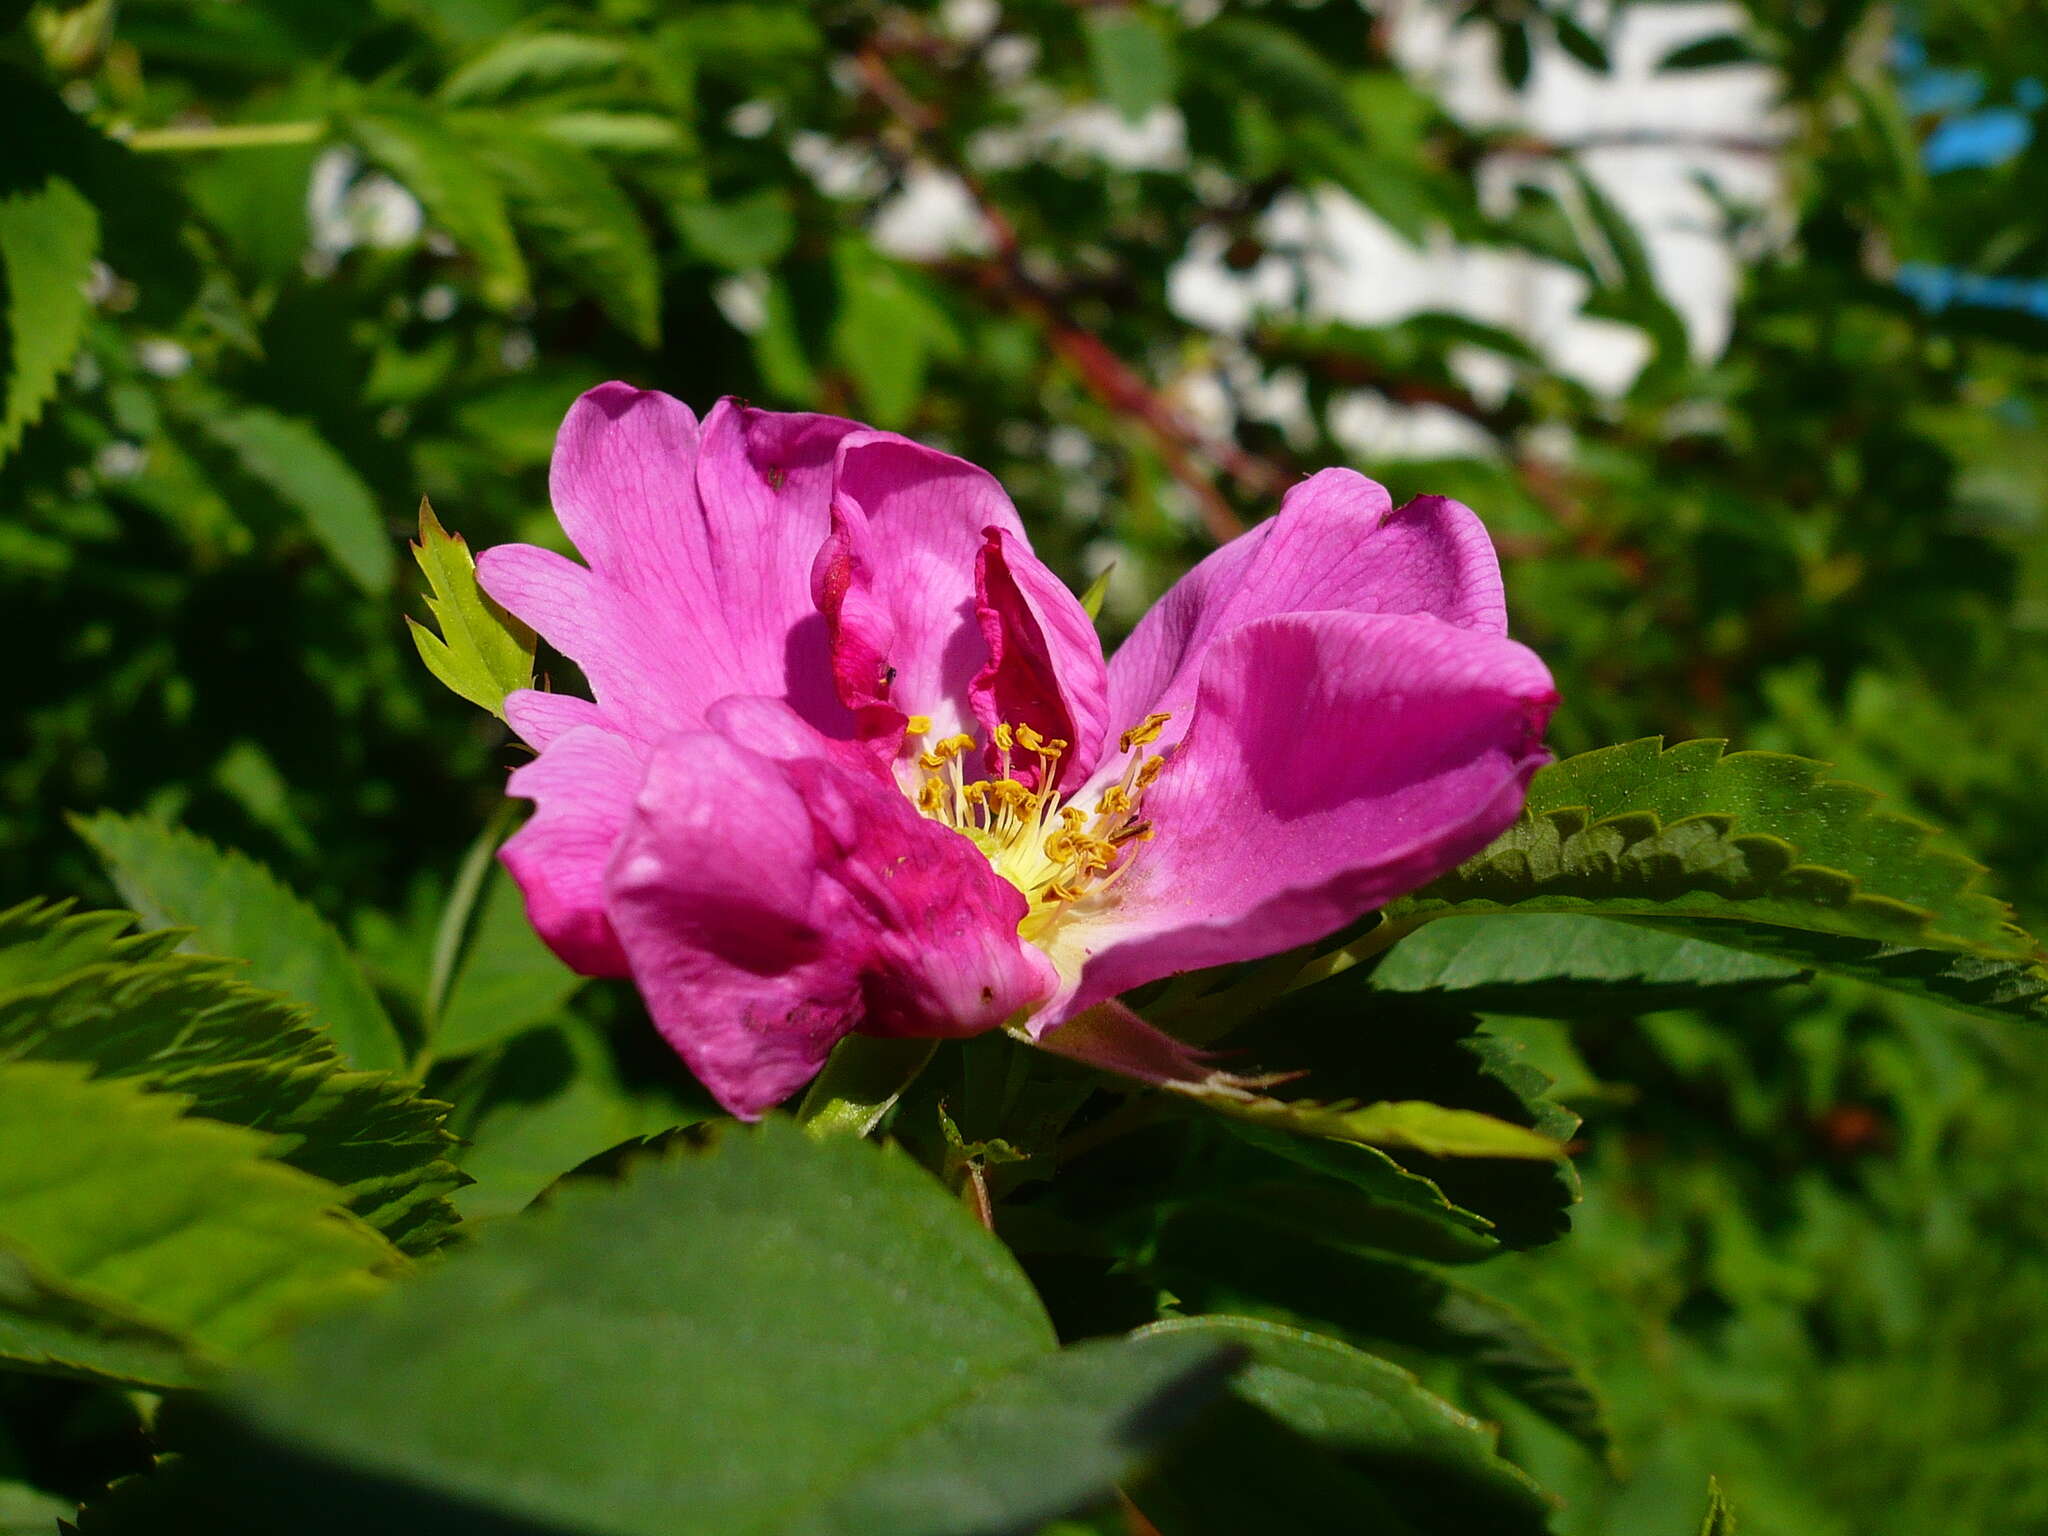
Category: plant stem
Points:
column 862, row 1080
column 225, row 136
column 455, row 918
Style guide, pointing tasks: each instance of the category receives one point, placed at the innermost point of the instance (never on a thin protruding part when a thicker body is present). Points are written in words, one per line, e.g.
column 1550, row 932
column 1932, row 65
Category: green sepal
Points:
column 481, row 652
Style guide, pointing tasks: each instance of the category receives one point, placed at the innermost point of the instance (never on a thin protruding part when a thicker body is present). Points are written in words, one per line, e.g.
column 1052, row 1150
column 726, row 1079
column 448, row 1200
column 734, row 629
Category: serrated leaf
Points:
column 1213, row 1263
column 44, row 1330
column 584, row 226
column 1556, row 964
column 74, row 988
column 1131, row 57
column 1999, row 990
column 534, row 59
column 49, row 234
column 1361, row 1198
column 238, row 910
column 1431, row 1129
column 1321, row 1436
column 801, row 1336
column 457, row 191
column 1694, row 831
column 305, row 472
column 482, row 653
column 216, row 1247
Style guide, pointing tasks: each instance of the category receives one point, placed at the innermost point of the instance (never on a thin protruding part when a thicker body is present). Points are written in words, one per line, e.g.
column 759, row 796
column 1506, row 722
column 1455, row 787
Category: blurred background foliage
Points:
column 274, row 268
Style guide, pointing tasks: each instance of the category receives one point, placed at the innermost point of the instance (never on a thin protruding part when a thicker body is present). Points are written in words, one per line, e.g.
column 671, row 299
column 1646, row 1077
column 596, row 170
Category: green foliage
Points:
column 270, row 271
column 1338, row 1439
column 756, row 1324
column 236, row 908
column 73, row 990
column 1692, row 831
column 48, row 234
column 215, row 1248
column 481, row 652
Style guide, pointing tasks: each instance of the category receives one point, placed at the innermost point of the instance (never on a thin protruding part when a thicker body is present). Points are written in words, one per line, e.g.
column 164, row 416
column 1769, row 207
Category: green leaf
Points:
column 1215, row 1261
column 579, row 219
column 482, row 653
column 1422, row 1127
column 1720, row 1516
column 621, row 132
column 1579, row 43
column 1716, row 52
column 306, row 473
column 885, row 332
column 49, row 235
column 508, row 980
column 1360, row 1198
column 1693, row 831
column 798, row 1336
column 458, row 193
column 742, row 234
column 1246, row 57
column 549, row 1103
column 1324, row 1437
column 216, row 1247
column 1560, row 965
column 534, row 59
column 1131, row 56
column 1999, row 990
column 74, row 989
column 237, row 909
column 27, row 1511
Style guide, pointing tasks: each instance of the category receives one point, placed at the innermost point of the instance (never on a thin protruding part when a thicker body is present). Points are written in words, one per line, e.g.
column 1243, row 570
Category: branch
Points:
column 1182, row 447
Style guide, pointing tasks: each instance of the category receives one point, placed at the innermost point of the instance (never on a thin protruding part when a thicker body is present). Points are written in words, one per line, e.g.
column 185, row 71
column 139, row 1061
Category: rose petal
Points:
column 1044, row 667
column 896, row 581
column 1337, row 545
column 775, row 891
column 698, row 548
column 582, row 787
column 1335, row 761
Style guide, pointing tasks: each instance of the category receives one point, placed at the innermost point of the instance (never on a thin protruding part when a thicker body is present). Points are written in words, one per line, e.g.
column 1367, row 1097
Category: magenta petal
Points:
column 582, row 787
column 765, row 481
column 1335, row 761
column 775, row 891
column 541, row 717
column 698, row 546
column 1044, row 667
column 1337, row 545
column 896, row 580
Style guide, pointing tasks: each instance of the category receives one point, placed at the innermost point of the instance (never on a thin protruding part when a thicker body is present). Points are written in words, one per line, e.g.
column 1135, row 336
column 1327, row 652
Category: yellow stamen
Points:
column 1146, row 730
column 917, row 725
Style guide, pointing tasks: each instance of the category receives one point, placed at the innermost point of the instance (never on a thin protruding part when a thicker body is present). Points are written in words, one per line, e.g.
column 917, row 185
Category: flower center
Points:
column 1052, row 851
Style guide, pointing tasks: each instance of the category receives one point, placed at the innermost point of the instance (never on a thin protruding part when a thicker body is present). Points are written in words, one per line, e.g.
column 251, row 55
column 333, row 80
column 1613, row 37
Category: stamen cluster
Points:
column 1051, row 851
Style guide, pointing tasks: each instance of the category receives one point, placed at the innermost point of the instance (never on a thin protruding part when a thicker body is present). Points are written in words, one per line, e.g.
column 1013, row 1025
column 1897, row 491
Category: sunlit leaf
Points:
column 481, row 652
column 239, row 910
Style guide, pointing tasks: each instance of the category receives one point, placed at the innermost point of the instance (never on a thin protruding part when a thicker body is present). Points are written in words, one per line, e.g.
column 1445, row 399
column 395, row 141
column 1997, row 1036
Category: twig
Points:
column 1182, row 447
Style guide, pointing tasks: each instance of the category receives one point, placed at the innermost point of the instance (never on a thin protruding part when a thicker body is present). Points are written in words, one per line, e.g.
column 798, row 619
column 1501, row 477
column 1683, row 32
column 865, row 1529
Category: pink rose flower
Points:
column 856, row 762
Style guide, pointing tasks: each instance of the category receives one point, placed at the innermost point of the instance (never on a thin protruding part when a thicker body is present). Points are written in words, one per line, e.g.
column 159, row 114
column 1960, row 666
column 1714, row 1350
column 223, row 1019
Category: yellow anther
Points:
column 1029, row 739
column 1150, row 771
column 1116, row 801
column 1144, row 731
column 1073, row 817
column 917, row 725
column 1005, row 737
column 931, row 797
